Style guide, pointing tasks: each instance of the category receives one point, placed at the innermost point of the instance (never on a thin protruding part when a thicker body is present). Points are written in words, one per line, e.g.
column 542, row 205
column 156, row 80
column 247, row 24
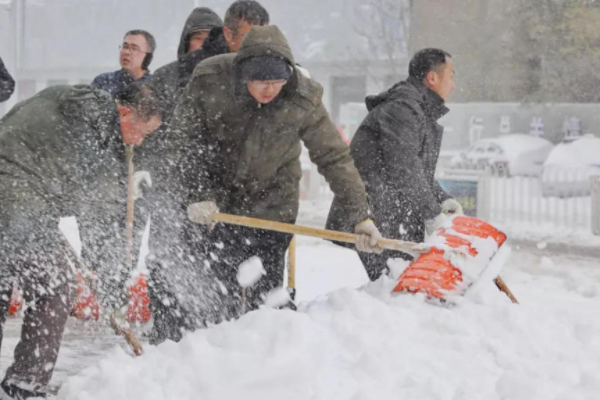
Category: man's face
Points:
column 133, row 128
column 265, row 91
column 133, row 52
column 442, row 80
column 234, row 39
column 197, row 40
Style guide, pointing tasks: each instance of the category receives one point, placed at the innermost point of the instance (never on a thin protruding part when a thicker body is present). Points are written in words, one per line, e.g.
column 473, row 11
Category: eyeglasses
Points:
column 132, row 50
column 265, row 84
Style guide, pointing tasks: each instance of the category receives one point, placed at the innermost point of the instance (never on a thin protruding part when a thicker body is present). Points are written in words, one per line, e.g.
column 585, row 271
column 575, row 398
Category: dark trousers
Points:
column 229, row 246
column 206, row 269
column 42, row 275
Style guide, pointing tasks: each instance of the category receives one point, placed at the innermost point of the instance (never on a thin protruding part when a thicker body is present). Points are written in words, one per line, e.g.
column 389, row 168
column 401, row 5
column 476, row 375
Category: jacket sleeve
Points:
column 332, row 157
column 189, row 141
column 7, row 83
column 440, row 193
column 100, row 82
column 399, row 127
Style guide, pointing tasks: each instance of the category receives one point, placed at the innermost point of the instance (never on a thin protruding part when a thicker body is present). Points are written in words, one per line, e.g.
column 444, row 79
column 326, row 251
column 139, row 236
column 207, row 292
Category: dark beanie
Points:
column 265, row 68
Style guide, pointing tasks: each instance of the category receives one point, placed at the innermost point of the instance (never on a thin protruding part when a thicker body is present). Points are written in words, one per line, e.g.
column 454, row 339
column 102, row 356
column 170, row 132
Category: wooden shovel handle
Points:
column 130, row 207
column 500, row 284
column 128, row 334
column 293, row 229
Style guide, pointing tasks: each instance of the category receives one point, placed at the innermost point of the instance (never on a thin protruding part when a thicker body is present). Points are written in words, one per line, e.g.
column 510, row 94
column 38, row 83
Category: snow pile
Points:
column 584, row 151
column 369, row 344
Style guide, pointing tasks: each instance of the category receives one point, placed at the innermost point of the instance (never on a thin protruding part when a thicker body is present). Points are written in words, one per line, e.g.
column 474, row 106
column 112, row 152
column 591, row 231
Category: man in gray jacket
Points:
column 396, row 149
column 62, row 153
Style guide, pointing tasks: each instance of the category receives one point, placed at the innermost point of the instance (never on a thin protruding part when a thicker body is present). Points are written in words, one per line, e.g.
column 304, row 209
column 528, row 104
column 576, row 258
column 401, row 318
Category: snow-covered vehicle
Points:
column 569, row 167
column 514, row 154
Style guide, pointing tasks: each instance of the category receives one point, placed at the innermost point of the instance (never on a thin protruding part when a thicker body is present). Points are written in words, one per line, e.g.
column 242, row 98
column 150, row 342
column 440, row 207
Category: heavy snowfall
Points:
column 298, row 199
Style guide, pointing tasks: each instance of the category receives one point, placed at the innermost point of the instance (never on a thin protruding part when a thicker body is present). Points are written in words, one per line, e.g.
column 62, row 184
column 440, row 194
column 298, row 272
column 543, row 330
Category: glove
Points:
column 452, row 207
column 201, row 213
column 432, row 225
column 368, row 235
column 138, row 178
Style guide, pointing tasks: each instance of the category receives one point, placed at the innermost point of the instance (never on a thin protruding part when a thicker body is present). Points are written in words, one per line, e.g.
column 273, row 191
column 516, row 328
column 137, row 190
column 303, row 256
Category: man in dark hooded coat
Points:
column 396, row 149
column 236, row 140
column 170, row 79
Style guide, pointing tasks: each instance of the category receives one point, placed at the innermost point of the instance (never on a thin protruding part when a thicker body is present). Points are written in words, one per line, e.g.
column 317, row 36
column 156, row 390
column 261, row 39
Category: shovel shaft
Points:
column 128, row 334
column 130, row 207
column 292, row 264
column 293, row 229
column 503, row 288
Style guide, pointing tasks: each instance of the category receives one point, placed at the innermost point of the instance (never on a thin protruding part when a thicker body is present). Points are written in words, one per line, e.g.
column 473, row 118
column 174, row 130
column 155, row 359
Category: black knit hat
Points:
column 265, row 68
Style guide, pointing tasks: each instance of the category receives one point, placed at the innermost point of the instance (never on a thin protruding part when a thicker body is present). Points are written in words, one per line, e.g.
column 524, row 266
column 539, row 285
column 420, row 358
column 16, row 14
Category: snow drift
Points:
column 369, row 344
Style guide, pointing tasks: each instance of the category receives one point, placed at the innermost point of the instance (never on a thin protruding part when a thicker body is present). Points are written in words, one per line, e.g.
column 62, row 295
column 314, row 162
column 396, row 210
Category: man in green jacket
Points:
column 240, row 123
column 62, row 154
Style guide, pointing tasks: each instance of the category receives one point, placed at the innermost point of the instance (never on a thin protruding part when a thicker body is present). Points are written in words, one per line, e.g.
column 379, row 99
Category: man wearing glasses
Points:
column 135, row 55
column 236, row 136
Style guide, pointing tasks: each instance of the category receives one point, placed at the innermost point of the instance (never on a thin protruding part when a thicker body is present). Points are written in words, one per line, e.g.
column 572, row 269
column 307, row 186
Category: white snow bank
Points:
column 368, row 344
column 584, row 151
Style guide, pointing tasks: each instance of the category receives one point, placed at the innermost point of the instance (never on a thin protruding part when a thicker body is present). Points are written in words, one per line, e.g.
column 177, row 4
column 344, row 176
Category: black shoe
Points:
column 12, row 392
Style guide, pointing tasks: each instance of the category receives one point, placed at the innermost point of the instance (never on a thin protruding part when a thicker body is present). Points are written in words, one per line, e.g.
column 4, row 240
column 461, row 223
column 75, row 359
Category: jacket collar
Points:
column 433, row 102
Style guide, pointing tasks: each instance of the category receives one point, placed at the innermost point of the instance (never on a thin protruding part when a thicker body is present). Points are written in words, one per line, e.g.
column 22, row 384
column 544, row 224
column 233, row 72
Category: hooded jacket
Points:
column 61, row 154
column 396, row 149
column 171, row 79
column 7, row 83
column 246, row 156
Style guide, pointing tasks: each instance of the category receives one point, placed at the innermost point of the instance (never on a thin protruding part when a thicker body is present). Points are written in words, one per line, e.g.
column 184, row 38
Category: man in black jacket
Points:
column 396, row 149
column 62, row 153
column 7, row 83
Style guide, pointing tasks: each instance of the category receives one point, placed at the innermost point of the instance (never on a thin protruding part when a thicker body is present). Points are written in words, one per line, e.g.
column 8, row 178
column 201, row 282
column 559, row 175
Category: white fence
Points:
column 560, row 197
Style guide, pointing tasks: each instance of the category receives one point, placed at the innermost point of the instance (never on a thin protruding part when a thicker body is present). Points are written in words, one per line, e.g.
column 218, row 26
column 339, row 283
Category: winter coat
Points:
column 171, row 79
column 246, row 156
column 61, row 154
column 169, row 82
column 396, row 149
column 115, row 82
column 7, row 83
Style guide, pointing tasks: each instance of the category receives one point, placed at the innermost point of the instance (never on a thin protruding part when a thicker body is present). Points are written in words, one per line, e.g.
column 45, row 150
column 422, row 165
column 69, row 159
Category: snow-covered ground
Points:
column 353, row 340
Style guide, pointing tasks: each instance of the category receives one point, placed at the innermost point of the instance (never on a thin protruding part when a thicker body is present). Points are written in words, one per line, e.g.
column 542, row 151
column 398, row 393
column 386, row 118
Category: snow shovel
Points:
column 83, row 271
column 138, row 309
column 390, row 244
column 439, row 275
